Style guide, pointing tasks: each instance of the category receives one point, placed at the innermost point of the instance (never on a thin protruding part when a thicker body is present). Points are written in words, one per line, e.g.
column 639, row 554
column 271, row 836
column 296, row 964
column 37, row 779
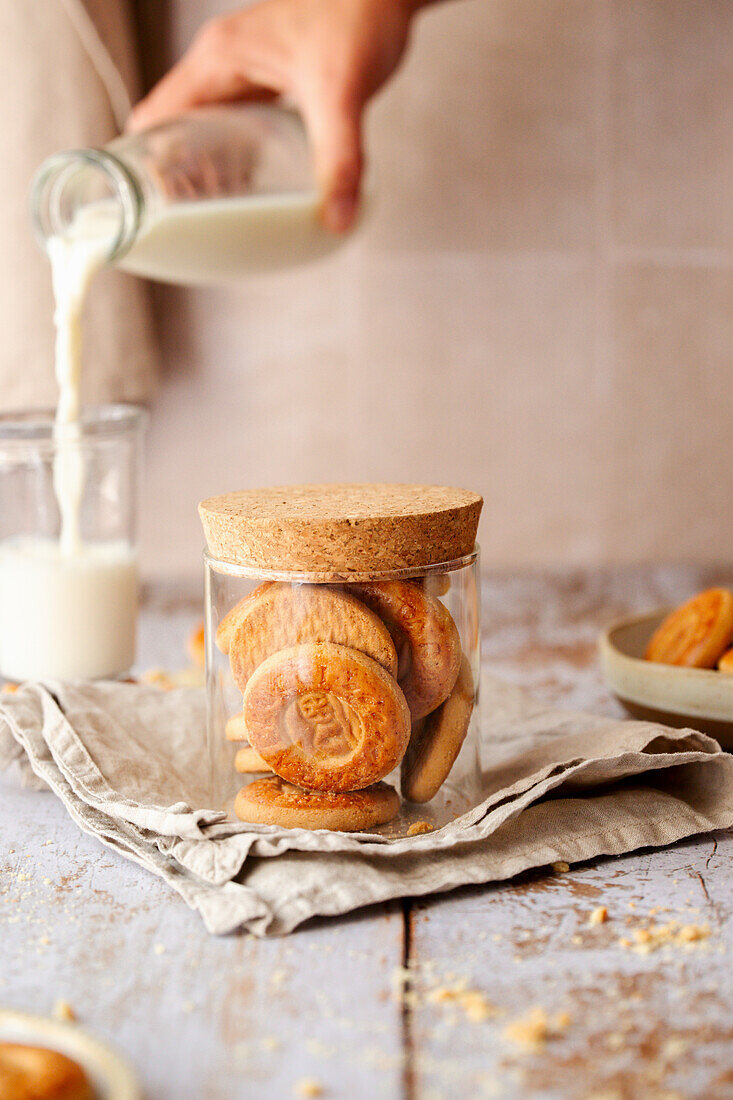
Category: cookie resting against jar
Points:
column 342, row 655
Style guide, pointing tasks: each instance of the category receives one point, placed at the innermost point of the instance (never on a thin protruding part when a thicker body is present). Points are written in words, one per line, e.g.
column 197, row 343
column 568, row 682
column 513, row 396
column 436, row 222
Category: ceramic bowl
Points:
column 701, row 699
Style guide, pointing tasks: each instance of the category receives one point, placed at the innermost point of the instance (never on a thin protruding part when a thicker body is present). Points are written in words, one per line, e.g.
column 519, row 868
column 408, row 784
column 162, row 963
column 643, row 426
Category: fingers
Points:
column 334, row 128
column 207, row 73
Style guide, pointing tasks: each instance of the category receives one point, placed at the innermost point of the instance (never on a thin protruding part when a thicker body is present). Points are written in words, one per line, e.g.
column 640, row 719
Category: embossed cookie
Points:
column 436, row 741
column 427, row 628
column 326, row 717
column 36, row 1073
column 249, row 762
column 288, row 615
column 228, row 625
column 696, row 634
column 274, row 801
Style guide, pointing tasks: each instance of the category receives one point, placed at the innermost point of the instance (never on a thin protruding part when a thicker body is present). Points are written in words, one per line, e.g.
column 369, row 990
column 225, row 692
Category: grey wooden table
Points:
column 377, row 1005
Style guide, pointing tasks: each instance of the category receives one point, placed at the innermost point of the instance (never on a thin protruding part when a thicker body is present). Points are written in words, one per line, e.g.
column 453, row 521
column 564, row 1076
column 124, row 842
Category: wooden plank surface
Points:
column 234, row 1017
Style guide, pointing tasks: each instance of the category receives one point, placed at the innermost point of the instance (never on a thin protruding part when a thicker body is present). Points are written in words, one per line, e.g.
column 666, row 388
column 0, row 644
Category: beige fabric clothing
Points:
column 65, row 82
column 126, row 760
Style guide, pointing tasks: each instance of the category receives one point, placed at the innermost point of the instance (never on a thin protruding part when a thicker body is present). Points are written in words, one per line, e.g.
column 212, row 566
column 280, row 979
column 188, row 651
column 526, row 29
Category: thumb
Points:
column 335, row 134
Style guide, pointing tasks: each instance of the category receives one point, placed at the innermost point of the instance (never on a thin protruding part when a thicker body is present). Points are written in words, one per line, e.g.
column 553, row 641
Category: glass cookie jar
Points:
column 342, row 652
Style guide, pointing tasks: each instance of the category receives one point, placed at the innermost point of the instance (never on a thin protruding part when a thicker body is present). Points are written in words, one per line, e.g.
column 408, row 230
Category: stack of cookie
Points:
column 345, row 677
column 341, row 684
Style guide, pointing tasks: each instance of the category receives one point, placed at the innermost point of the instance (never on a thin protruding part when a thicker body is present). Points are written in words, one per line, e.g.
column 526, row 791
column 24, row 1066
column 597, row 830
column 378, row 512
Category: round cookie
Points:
column 36, row 1073
column 431, row 636
column 436, row 741
column 725, row 664
column 249, row 762
column 696, row 634
column 236, row 728
column 196, row 646
column 227, row 628
column 288, row 615
column 274, row 801
column 326, row 717
column 436, row 584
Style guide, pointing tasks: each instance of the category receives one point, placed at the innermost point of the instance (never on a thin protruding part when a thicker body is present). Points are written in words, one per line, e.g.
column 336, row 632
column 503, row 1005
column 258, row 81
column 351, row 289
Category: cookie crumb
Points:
column 656, row 936
column 532, row 1030
column 157, row 677
column 561, row 867
column 419, row 827
column 308, row 1088
column 62, row 1010
column 599, row 915
column 473, row 1003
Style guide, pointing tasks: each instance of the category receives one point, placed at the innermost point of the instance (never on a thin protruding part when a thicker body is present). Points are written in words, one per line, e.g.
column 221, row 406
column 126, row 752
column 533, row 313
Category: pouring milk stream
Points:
column 68, row 607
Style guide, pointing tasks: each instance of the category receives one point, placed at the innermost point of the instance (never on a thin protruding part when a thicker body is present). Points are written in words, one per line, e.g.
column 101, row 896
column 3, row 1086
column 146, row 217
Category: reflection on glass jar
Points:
column 336, row 683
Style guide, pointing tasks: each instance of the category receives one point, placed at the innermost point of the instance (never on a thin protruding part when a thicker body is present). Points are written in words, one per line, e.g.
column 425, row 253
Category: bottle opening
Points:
column 85, row 193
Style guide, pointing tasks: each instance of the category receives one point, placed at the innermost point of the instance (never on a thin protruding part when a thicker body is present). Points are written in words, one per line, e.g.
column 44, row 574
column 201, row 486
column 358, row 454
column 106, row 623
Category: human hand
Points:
column 328, row 56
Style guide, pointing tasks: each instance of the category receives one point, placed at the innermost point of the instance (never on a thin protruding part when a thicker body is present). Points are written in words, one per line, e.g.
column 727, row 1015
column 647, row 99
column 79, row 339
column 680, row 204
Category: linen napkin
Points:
column 130, row 764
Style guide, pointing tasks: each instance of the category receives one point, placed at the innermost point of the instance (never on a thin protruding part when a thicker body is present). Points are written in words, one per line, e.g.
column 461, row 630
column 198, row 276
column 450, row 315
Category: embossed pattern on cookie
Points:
column 437, row 740
column 431, row 635
column 326, row 717
column 274, row 801
column 287, row 615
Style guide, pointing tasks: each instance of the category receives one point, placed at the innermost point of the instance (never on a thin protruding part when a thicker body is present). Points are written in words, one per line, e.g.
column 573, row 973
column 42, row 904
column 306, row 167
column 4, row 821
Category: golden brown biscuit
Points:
column 326, row 717
column 228, row 625
column 437, row 740
column 288, row 615
column 725, row 664
column 236, row 728
column 431, row 635
column 249, row 762
column 36, row 1073
column 196, row 646
column 696, row 634
column 436, row 584
column 274, row 801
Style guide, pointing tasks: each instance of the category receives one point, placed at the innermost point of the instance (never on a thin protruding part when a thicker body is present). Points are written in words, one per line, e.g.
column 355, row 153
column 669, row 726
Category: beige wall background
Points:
column 538, row 306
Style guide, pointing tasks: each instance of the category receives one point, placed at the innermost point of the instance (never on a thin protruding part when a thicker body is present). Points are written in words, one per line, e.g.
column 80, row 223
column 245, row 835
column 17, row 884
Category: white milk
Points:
column 214, row 240
column 74, row 262
column 68, row 609
column 66, row 616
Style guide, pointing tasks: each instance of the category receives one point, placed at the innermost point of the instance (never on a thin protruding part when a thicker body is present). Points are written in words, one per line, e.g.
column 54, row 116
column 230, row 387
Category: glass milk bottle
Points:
column 212, row 195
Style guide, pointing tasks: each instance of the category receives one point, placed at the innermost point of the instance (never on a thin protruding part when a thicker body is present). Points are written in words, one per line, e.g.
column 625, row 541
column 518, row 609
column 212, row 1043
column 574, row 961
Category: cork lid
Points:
column 343, row 529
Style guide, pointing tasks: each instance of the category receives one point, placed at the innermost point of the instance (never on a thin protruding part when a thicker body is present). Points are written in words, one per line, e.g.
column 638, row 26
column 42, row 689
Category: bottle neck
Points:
column 87, row 190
